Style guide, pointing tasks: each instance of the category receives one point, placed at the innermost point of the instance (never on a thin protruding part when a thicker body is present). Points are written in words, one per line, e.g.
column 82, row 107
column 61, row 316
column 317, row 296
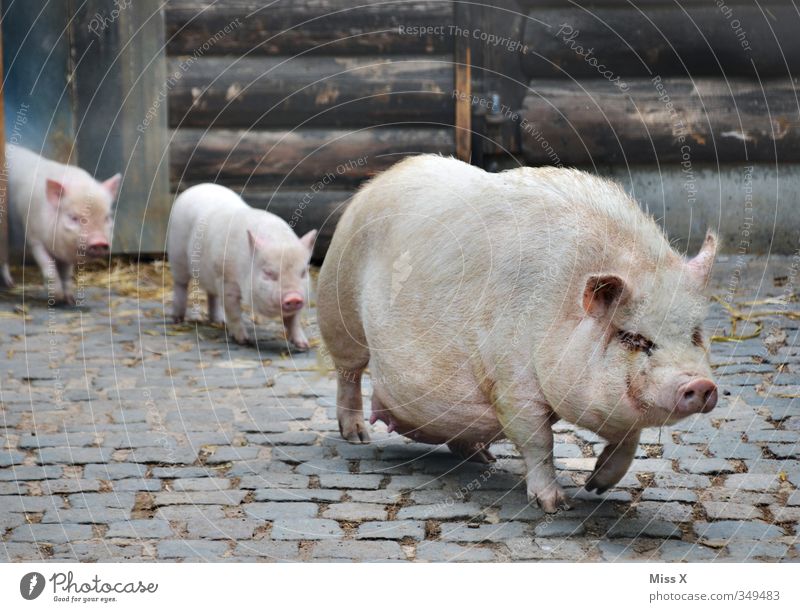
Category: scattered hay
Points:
column 145, row 281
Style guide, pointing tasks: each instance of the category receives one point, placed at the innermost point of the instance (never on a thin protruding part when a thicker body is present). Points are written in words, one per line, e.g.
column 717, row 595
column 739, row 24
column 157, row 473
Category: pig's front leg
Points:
column 612, row 463
column 47, row 265
column 65, row 274
column 294, row 331
column 232, row 303
column 528, row 425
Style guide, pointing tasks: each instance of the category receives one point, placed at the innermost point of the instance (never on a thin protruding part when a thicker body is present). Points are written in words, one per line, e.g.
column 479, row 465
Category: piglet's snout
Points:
column 292, row 302
column 97, row 248
column 697, row 395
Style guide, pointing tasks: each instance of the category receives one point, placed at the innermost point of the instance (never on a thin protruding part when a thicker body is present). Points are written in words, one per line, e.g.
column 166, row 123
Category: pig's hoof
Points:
column 599, row 482
column 551, row 499
column 177, row 319
column 471, row 451
column 67, row 299
column 354, row 431
column 301, row 344
column 241, row 337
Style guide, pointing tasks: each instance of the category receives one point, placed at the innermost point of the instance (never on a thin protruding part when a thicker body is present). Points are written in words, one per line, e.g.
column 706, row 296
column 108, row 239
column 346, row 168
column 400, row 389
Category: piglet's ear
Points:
column 309, row 239
column 603, row 294
column 54, row 192
column 256, row 243
column 112, row 185
column 699, row 266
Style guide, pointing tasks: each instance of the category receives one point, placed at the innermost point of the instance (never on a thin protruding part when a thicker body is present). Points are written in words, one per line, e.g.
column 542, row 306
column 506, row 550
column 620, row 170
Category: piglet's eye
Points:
column 75, row 218
column 270, row 275
column 636, row 342
column 697, row 337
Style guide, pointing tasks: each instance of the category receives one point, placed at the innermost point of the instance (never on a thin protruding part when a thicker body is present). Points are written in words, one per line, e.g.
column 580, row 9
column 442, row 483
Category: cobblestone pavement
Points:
column 125, row 437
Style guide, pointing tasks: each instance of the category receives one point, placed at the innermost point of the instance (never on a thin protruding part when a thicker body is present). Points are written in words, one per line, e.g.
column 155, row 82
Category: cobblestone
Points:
column 218, row 454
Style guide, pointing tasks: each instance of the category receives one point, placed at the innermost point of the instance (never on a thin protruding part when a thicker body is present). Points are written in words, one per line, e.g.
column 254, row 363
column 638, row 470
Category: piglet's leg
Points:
column 612, row 463
column 65, row 274
column 215, row 312
column 527, row 425
column 5, row 276
column 233, row 313
column 47, row 265
column 294, row 331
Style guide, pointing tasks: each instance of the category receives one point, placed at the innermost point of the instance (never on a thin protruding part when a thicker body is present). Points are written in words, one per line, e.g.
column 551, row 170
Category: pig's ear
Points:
column 54, row 191
column 308, row 240
column 604, row 293
column 699, row 266
column 256, row 243
column 112, row 185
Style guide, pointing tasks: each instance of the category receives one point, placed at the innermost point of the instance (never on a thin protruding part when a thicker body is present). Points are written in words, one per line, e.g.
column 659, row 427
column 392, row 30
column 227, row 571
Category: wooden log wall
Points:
column 294, row 104
column 608, row 81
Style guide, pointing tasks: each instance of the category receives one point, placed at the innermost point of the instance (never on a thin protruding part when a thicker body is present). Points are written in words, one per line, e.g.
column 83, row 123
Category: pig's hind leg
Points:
column 471, row 451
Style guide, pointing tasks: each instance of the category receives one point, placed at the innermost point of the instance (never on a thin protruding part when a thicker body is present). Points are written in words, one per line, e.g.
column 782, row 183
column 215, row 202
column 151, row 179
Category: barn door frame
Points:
column 489, row 82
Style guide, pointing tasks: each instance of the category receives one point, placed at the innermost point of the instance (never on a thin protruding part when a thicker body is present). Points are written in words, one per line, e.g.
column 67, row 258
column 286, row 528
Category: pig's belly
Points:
column 457, row 410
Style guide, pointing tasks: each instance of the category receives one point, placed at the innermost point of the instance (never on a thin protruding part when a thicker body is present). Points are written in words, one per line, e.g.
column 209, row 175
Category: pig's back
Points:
column 196, row 217
column 27, row 176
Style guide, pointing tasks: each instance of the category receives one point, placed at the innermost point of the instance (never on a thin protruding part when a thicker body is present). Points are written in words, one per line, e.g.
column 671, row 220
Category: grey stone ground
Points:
column 123, row 437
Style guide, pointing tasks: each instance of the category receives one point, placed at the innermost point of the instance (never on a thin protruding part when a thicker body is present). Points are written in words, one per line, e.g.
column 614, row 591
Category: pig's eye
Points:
column 636, row 342
column 697, row 337
column 270, row 275
column 75, row 218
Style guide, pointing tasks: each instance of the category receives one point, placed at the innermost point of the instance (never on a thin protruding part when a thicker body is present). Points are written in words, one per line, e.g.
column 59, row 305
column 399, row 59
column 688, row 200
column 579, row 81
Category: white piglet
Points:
column 238, row 255
column 64, row 214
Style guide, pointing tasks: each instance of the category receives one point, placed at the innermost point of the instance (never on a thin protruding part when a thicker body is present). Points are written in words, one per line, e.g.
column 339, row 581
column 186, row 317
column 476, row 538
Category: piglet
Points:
column 240, row 255
column 64, row 214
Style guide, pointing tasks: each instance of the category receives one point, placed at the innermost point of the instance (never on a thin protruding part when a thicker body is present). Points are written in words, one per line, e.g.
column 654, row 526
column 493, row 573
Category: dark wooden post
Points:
column 121, row 112
column 3, row 172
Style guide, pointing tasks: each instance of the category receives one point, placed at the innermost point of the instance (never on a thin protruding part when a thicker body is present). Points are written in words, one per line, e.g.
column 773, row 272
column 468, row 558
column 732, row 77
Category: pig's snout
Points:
column 292, row 302
column 97, row 248
column 697, row 395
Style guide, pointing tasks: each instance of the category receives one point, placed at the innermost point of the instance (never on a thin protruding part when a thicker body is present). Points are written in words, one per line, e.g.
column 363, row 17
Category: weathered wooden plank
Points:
column 325, row 27
column 592, row 122
column 463, row 85
column 296, row 157
column 329, row 91
column 120, row 116
column 700, row 39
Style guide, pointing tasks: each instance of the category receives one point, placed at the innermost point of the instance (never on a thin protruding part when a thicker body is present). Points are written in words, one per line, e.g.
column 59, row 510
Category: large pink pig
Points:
column 64, row 214
column 488, row 306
